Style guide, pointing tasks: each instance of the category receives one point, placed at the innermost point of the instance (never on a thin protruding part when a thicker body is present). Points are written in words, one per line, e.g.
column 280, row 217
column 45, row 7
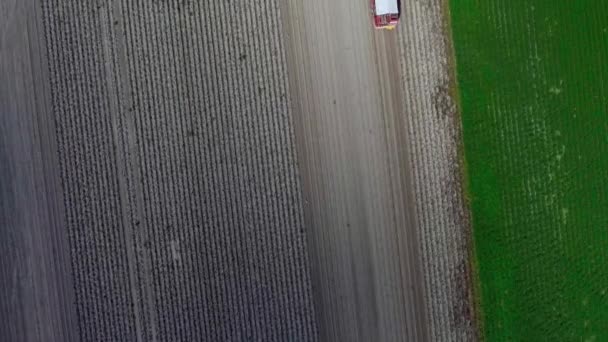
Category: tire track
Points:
column 350, row 129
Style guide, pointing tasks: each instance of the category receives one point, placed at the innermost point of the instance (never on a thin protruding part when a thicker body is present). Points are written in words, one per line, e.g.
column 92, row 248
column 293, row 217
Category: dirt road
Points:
column 346, row 93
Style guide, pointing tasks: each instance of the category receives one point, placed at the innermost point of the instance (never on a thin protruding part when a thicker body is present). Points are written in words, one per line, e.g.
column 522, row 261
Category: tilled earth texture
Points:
column 229, row 171
column 148, row 174
column 533, row 79
column 434, row 134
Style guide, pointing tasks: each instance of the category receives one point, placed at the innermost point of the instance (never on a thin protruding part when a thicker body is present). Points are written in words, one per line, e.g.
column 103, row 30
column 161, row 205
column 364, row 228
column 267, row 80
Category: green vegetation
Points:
column 533, row 84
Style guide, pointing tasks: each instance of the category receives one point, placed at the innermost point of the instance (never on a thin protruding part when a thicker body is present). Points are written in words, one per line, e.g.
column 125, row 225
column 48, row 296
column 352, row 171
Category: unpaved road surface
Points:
column 356, row 175
column 378, row 136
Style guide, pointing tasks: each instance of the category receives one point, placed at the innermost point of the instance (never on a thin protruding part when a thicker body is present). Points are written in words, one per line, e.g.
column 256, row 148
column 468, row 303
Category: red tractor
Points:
column 386, row 13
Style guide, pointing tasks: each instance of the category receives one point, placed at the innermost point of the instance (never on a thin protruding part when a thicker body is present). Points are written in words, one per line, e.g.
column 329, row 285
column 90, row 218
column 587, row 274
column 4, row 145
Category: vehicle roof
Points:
column 386, row 7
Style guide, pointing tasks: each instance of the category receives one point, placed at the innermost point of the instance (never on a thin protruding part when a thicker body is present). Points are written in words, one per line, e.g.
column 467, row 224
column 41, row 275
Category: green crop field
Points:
column 533, row 86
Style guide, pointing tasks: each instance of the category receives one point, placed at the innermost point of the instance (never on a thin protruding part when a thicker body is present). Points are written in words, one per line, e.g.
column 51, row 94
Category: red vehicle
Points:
column 386, row 13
